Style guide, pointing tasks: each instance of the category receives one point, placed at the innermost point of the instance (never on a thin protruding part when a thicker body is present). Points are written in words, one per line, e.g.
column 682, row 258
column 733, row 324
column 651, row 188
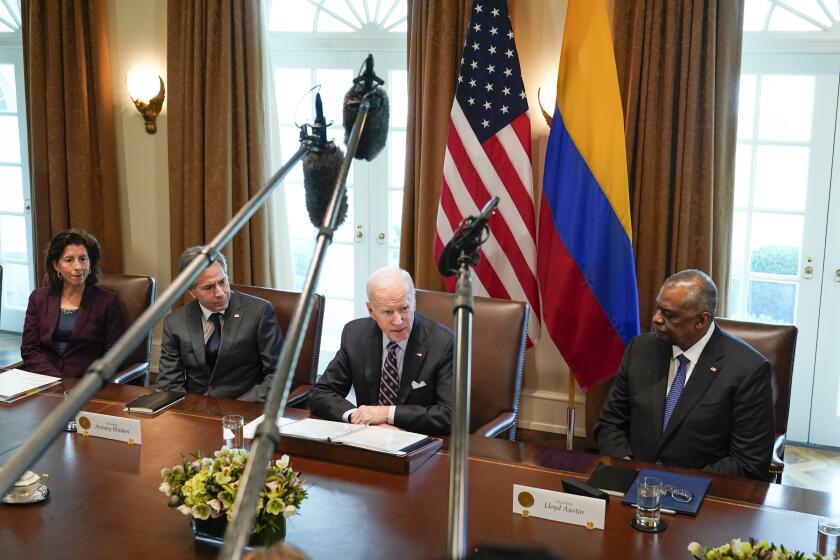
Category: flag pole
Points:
column 570, row 413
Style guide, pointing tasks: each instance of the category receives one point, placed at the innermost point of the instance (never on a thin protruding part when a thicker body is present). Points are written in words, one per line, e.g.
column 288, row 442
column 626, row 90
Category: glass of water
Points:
column 828, row 538
column 647, row 502
column 233, row 431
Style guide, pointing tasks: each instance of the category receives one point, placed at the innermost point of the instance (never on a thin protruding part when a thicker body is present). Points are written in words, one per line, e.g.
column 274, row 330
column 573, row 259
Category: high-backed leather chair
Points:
column 135, row 294
column 777, row 343
column 284, row 305
column 498, row 354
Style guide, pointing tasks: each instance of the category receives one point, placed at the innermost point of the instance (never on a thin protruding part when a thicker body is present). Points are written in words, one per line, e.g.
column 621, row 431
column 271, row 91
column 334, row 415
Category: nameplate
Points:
column 559, row 506
column 110, row 427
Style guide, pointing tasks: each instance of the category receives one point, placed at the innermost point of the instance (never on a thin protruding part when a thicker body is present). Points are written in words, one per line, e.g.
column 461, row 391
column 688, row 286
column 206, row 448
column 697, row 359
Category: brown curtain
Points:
column 436, row 32
column 678, row 68
column 72, row 145
column 679, row 64
column 216, row 129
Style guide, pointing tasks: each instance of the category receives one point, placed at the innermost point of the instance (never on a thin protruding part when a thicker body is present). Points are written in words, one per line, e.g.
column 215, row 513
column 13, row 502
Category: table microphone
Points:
column 320, row 171
column 373, row 137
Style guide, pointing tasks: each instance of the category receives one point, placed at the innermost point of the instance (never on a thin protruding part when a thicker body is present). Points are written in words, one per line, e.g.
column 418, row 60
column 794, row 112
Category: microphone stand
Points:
column 100, row 371
column 463, row 309
column 267, row 434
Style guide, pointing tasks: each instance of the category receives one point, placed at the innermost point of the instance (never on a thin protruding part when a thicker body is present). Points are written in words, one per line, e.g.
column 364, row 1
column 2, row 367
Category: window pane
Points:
column 13, row 238
column 780, row 118
column 739, row 242
column 289, row 144
column 300, row 227
column 337, row 313
column 337, row 16
column 16, row 285
column 301, row 257
column 396, row 158
column 337, row 272
column 291, row 15
column 344, row 233
column 395, row 199
column 398, row 13
column 334, row 84
column 11, row 189
column 755, row 14
column 736, row 304
column 743, row 172
column 398, row 98
column 746, row 106
column 776, row 240
column 394, row 257
column 781, row 177
column 290, row 87
column 783, row 20
column 811, row 9
column 772, row 302
column 8, row 93
column 9, row 139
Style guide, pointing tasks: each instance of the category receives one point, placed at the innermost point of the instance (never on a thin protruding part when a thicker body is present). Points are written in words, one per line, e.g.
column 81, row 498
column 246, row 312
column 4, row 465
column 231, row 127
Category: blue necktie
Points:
column 676, row 389
column 389, row 385
column 211, row 347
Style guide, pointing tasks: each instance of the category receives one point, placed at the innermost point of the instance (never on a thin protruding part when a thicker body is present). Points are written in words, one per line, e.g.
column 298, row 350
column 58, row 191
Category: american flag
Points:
column 488, row 153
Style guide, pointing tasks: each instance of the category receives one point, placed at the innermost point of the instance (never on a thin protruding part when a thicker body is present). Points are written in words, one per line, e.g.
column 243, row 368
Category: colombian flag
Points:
column 585, row 255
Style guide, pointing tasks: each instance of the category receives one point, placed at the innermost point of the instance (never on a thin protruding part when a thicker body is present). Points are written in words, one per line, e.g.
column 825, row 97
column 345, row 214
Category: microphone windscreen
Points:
column 375, row 132
column 320, row 172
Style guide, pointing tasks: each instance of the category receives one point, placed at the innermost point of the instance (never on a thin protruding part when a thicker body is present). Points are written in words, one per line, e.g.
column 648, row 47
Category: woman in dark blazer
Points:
column 71, row 322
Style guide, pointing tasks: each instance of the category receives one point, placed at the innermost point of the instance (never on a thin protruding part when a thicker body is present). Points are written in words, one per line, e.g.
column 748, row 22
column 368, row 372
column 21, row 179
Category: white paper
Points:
column 385, row 440
column 319, row 430
column 559, row 506
column 17, row 381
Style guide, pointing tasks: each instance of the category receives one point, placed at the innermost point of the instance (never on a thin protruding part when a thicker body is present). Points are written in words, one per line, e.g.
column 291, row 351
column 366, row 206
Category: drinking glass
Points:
column 71, row 424
column 233, row 427
column 647, row 502
column 828, row 538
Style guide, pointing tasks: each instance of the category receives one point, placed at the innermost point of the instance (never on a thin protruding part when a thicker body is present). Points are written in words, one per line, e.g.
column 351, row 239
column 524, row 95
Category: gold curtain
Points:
column 678, row 64
column 216, row 129
column 72, row 143
column 436, row 32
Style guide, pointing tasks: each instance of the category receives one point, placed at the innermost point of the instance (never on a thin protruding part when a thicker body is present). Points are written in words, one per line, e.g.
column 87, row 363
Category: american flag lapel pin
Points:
column 713, row 369
column 419, row 354
column 236, row 315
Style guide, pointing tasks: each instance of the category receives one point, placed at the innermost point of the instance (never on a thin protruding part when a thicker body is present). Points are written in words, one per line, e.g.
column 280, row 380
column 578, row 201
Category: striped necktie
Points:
column 211, row 347
column 676, row 389
column 389, row 385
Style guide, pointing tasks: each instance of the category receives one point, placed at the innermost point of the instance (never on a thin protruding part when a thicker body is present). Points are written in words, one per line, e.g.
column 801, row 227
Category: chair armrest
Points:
column 497, row 425
column 134, row 371
column 298, row 395
column 16, row 365
column 777, row 463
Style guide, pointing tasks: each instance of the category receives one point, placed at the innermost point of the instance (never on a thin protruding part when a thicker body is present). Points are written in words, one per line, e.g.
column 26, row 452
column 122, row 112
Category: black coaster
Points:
column 661, row 526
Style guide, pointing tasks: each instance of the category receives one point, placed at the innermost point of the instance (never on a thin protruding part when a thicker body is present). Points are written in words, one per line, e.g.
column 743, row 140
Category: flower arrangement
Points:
column 751, row 550
column 205, row 488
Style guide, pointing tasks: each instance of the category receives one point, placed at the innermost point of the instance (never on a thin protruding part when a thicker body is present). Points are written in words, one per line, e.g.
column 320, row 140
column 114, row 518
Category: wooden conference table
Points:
column 104, row 500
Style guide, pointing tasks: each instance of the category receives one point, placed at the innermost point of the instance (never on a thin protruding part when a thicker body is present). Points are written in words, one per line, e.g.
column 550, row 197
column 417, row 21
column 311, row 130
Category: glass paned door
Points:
column 786, row 139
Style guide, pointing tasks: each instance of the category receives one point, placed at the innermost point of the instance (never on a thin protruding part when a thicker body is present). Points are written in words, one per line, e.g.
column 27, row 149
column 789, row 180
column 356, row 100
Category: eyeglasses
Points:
column 679, row 494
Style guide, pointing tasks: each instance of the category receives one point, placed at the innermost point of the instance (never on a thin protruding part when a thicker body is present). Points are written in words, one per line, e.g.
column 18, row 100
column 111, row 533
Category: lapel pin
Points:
column 419, row 355
column 236, row 315
column 713, row 369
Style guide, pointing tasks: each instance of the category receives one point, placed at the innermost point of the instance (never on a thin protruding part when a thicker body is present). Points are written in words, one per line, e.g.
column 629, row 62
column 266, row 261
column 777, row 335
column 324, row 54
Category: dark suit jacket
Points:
column 99, row 323
column 248, row 352
column 358, row 362
column 723, row 421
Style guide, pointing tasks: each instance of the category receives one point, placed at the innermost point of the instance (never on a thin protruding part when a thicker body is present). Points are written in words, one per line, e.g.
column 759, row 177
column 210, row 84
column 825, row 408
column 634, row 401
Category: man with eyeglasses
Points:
column 222, row 344
column 689, row 394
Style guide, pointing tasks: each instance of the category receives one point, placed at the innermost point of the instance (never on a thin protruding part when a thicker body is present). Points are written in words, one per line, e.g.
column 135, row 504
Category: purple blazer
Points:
column 99, row 323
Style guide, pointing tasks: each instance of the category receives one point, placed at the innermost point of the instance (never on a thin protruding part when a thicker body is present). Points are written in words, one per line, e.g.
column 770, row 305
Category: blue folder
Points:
column 697, row 485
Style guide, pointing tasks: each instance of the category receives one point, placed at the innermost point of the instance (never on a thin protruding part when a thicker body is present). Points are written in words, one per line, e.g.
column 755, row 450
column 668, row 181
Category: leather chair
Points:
column 777, row 343
column 498, row 356
column 135, row 294
column 284, row 305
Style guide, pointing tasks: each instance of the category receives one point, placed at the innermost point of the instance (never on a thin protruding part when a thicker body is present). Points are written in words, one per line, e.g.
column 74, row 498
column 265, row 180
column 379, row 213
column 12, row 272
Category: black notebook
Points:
column 154, row 402
column 612, row 480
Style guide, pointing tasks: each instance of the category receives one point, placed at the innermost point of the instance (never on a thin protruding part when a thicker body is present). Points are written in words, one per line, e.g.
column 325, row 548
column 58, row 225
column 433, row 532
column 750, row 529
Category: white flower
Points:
column 694, row 548
column 282, row 462
column 215, row 504
column 165, row 488
column 186, row 510
column 290, row 510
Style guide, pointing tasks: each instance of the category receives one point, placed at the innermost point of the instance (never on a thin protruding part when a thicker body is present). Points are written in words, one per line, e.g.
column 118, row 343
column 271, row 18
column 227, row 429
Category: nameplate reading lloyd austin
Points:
column 559, row 506
column 111, row 427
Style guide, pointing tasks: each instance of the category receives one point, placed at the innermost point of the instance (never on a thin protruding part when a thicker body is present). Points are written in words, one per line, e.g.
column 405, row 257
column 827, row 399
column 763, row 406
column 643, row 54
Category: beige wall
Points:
column 137, row 33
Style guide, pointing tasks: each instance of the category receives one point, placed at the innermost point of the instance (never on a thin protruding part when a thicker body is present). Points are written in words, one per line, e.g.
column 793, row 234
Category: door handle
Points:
column 837, row 275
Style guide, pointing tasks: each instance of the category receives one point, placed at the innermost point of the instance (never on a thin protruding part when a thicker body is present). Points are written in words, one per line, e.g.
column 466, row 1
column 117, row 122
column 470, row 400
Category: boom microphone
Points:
column 375, row 132
column 466, row 240
column 320, row 171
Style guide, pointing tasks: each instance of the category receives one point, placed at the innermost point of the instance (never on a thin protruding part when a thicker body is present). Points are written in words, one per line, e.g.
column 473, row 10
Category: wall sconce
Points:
column 145, row 88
